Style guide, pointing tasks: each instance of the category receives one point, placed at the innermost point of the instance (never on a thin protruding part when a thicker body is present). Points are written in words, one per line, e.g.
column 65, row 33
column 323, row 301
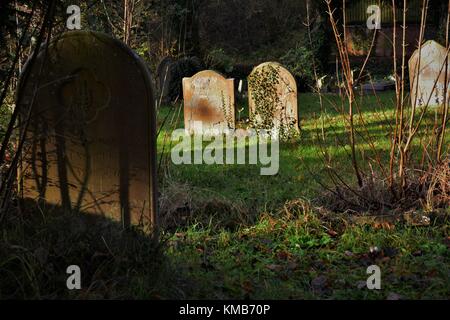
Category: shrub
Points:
column 299, row 60
column 217, row 59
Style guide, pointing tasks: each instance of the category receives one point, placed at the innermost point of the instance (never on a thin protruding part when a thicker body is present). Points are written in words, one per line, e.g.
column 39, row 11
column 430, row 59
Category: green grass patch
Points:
column 302, row 257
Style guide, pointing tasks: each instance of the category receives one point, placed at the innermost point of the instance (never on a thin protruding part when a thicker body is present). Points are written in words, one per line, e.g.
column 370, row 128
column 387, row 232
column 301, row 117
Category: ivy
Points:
column 264, row 83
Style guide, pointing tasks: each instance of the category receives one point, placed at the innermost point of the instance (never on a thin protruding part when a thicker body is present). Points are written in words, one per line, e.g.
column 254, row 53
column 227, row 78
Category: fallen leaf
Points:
column 447, row 242
column 247, row 286
column 292, row 265
column 332, row 233
column 432, row 273
column 283, row 255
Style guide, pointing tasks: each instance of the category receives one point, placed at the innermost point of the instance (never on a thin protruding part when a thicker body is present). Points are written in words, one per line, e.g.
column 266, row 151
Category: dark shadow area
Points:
column 41, row 241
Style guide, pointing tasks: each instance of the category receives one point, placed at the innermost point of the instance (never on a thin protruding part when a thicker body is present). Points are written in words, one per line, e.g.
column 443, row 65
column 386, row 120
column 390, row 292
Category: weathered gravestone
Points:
column 91, row 138
column 272, row 94
column 427, row 75
column 208, row 103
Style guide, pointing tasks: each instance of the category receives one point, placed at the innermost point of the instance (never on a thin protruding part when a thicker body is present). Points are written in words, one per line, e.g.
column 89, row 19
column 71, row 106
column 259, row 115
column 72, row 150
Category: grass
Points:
column 268, row 255
column 300, row 162
column 277, row 259
column 231, row 233
column 37, row 247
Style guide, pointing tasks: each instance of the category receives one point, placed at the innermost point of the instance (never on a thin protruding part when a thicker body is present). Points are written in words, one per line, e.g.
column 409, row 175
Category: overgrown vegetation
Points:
column 298, row 255
column 238, row 235
column 366, row 182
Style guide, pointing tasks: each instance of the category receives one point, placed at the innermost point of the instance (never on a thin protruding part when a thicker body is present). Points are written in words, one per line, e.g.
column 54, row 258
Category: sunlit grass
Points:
column 275, row 257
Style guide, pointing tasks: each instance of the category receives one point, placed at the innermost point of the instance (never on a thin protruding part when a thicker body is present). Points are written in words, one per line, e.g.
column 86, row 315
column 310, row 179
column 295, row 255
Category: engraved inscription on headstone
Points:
column 208, row 103
column 427, row 75
column 272, row 94
column 91, row 138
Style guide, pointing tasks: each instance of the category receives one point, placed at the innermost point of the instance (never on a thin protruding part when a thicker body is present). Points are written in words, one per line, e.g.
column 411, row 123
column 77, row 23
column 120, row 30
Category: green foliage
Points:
column 38, row 246
column 217, row 59
column 301, row 59
column 361, row 39
column 245, row 238
column 378, row 69
column 442, row 23
column 243, row 26
column 143, row 51
column 298, row 60
column 282, row 258
column 301, row 165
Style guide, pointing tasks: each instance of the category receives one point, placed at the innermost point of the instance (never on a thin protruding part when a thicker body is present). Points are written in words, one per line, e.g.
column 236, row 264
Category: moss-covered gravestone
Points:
column 91, row 142
column 171, row 72
column 427, row 75
column 208, row 103
column 272, row 94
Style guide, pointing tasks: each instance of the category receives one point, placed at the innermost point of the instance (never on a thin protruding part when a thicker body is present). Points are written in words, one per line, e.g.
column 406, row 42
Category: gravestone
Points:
column 272, row 94
column 91, row 141
column 171, row 73
column 208, row 103
column 427, row 76
column 165, row 81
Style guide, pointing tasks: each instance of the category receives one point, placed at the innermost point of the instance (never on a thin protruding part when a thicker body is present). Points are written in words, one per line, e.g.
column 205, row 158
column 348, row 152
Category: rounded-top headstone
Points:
column 171, row 72
column 91, row 142
column 208, row 103
column 164, row 74
column 272, row 94
column 427, row 74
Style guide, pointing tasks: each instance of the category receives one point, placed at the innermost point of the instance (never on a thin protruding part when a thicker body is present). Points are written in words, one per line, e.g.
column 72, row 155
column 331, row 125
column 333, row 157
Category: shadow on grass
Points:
column 40, row 241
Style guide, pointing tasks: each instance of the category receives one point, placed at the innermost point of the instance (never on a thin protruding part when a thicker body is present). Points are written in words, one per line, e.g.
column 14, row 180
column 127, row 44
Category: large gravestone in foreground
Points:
column 208, row 103
column 427, row 75
column 91, row 138
column 272, row 94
